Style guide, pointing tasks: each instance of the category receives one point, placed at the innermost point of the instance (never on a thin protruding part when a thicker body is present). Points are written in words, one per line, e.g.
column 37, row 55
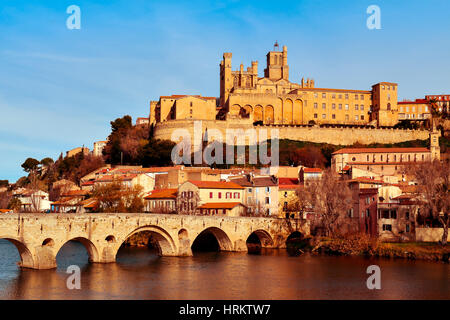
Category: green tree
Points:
column 47, row 162
column 157, row 153
column 121, row 124
column 30, row 165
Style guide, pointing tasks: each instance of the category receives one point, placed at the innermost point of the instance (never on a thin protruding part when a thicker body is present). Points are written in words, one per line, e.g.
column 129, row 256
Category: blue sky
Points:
column 59, row 88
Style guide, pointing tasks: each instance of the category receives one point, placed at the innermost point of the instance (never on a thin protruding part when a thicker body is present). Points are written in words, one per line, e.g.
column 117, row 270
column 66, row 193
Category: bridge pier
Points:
column 45, row 258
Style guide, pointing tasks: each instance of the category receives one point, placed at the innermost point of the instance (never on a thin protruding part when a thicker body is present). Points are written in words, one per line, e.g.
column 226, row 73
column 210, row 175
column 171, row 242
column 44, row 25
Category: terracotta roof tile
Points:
column 162, row 194
column 312, row 170
column 380, row 150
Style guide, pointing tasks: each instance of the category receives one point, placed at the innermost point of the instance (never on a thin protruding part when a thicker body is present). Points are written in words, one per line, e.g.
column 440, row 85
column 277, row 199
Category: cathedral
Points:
column 274, row 100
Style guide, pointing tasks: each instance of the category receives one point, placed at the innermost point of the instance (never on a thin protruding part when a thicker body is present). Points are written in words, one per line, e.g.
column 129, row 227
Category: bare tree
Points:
column 433, row 192
column 35, row 196
column 116, row 197
column 330, row 199
column 256, row 208
column 188, row 202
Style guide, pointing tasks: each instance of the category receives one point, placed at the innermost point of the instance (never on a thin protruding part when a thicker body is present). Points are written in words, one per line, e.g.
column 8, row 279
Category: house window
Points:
column 236, row 195
column 367, row 213
column 362, row 97
column 346, row 107
column 315, row 105
column 333, row 106
column 362, row 117
column 356, row 97
column 285, row 194
column 393, row 214
column 333, row 116
column 346, row 117
column 407, row 227
column 350, row 213
column 387, row 227
column 346, row 96
column 267, row 200
column 324, row 116
column 356, row 107
column 340, row 106
column 324, row 95
column 407, row 215
column 324, row 105
column 210, row 195
column 220, row 195
column 268, row 189
column 356, row 117
column 315, row 115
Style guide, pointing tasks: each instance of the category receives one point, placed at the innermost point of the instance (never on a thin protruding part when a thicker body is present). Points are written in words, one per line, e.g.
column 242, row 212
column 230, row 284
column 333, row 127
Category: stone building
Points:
column 418, row 109
column 384, row 161
column 274, row 99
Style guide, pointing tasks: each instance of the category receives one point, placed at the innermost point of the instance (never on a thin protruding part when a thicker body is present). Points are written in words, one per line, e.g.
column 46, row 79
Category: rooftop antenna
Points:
column 276, row 46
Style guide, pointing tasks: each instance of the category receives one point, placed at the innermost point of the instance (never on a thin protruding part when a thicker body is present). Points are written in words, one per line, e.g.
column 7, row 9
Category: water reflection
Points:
column 140, row 274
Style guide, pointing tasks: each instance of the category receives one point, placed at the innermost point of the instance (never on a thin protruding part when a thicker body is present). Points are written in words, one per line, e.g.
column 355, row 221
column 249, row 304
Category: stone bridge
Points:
column 39, row 237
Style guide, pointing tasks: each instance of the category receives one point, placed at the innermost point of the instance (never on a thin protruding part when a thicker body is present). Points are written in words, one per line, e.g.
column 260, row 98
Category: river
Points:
column 140, row 273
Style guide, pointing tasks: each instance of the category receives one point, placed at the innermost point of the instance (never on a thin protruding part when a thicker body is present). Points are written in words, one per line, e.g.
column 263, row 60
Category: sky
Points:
column 60, row 87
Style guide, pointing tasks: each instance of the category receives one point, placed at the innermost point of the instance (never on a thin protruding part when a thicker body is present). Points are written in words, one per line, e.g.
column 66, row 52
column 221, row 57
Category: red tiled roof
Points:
column 379, row 163
column 89, row 203
column 287, row 181
column 215, row 184
column 380, row 150
column 417, row 101
column 347, row 167
column 220, row 205
column 311, row 170
column 88, row 183
column 162, row 194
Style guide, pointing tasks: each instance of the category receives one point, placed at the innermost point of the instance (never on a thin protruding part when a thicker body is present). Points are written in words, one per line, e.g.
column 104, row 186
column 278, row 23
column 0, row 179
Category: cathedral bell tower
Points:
column 434, row 143
column 277, row 67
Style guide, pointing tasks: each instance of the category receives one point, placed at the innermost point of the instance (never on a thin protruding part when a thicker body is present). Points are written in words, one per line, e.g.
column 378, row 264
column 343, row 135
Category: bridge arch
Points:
column 26, row 258
column 164, row 242
column 265, row 239
column 223, row 240
column 88, row 244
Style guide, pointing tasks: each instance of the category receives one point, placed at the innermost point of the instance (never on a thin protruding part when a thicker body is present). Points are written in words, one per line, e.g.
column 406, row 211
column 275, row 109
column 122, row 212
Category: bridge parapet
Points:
column 39, row 237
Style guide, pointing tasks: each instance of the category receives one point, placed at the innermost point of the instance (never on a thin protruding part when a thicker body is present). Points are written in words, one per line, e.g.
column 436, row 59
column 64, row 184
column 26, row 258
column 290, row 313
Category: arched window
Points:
column 389, row 106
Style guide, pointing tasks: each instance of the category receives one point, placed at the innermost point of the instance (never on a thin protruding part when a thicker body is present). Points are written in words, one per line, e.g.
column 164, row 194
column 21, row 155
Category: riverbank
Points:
column 363, row 246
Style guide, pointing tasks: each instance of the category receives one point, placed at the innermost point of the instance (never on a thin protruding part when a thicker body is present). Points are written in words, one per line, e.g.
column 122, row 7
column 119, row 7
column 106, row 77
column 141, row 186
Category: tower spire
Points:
column 276, row 46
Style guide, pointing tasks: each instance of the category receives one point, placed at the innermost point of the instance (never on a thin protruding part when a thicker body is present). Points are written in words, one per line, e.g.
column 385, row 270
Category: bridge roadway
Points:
column 39, row 237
